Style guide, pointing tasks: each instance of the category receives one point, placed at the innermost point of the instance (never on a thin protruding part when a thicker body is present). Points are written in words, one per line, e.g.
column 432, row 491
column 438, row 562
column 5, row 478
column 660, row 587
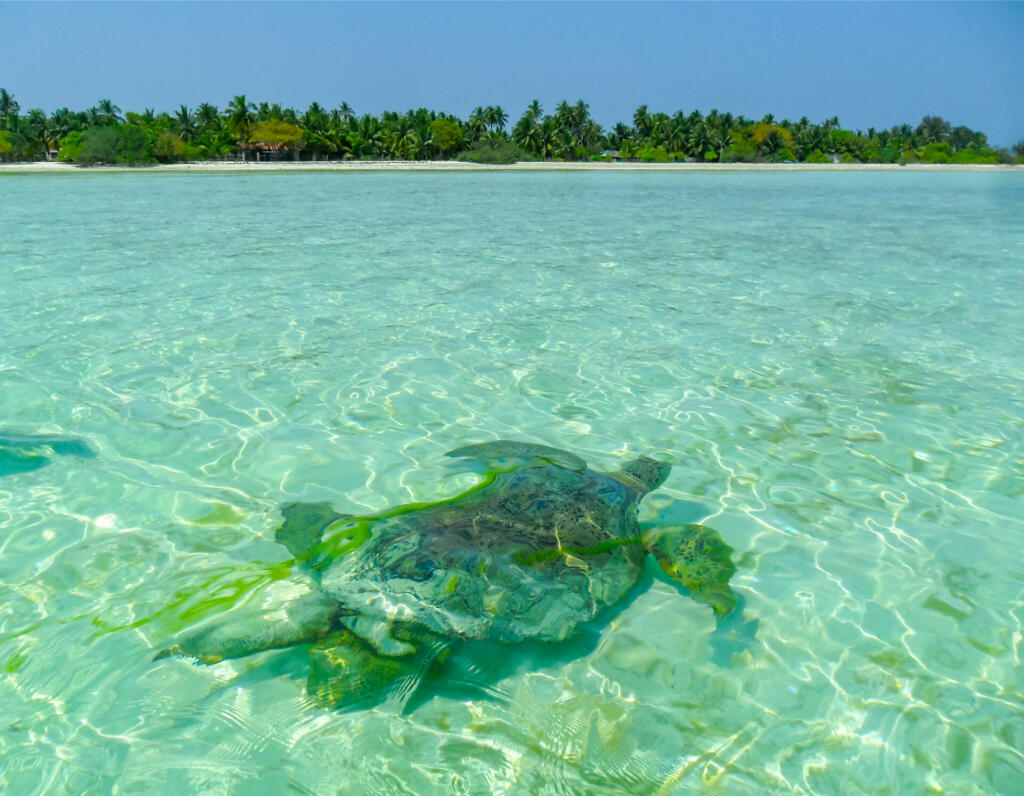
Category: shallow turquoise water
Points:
column 831, row 361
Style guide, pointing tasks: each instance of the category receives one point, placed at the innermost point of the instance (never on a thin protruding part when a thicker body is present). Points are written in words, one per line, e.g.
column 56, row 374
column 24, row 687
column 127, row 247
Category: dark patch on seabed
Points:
column 23, row 453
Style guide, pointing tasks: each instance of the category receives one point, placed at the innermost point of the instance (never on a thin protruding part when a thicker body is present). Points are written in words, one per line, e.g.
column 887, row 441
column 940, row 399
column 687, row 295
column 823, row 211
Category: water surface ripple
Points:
column 831, row 361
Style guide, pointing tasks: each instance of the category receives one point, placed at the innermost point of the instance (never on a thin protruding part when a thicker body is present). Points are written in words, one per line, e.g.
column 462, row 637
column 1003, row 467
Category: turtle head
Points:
column 644, row 474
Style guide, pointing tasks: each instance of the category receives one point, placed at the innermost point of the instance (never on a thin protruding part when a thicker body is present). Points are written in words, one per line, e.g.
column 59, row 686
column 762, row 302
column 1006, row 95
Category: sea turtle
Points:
column 539, row 546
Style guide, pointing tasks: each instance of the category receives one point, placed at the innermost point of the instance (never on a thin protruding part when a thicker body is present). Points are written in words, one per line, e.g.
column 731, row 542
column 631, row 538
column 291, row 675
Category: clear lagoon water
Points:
column 832, row 361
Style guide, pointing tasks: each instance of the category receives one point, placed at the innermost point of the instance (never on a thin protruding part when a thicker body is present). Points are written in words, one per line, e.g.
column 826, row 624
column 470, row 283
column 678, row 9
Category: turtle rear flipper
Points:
column 304, row 525
column 299, row 621
column 523, row 451
column 346, row 672
column 696, row 557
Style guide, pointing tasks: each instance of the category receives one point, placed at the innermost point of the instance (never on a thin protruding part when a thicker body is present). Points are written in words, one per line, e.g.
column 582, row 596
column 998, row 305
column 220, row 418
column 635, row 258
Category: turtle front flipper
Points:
column 696, row 557
column 526, row 452
column 304, row 525
column 299, row 621
column 346, row 672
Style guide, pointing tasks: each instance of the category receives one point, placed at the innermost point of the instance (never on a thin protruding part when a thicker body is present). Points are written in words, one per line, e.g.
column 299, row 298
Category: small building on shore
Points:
column 269, row 151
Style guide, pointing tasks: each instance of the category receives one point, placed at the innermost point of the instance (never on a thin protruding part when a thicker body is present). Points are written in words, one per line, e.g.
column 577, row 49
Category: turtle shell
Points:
column 529, row 554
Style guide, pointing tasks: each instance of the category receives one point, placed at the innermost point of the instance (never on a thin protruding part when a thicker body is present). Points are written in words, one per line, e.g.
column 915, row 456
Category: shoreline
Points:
column 221, row 167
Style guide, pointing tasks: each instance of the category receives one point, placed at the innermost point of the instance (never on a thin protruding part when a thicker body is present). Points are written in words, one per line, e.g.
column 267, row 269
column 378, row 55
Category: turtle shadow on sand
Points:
column 540, row 554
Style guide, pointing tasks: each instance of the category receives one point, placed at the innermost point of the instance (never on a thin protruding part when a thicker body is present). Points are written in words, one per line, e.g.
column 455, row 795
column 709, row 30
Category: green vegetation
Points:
column 246, row 130
column 447, row 135
column 125, row 144
column 274, row 132
column 493, row 150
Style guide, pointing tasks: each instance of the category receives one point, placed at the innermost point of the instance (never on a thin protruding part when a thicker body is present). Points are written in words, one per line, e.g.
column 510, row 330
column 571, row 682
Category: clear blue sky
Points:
column 871, row 64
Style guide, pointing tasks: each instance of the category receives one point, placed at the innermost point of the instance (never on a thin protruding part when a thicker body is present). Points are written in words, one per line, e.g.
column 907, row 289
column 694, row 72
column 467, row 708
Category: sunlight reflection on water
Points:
column 831, row 362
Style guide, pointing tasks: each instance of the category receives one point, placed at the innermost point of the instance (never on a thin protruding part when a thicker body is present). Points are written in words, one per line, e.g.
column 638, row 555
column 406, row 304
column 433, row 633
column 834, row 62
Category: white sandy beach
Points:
column 222, row 167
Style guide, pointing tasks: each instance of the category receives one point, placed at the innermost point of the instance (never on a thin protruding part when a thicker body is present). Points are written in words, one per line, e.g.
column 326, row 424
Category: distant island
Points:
column 249, row 131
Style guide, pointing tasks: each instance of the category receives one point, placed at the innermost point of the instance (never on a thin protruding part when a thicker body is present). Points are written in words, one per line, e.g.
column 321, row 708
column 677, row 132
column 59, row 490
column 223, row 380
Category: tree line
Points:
column 244, row 129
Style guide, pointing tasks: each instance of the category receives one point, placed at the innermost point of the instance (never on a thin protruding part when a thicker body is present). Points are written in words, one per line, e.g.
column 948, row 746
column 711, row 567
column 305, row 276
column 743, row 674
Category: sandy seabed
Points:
column 222, row 167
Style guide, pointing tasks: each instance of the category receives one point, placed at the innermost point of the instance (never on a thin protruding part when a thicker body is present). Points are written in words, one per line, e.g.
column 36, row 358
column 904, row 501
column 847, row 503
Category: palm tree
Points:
column 364, row 137
column 184, row 123
column 700, row 140
column 409, row 145
column 548, row 136
column 719, row 142
column 627, row 149
column 527, row 132
column 109, row 113
column 240, row 116
column 496, row 118
column 477, row 124
column 642, row 122
column 772, row 144
column 37, row 134
column 620, row 132
column 580, row 113
column 62, row 122
column 8, row 107
column 659, row 128
column 207, row 115
column 677, row 135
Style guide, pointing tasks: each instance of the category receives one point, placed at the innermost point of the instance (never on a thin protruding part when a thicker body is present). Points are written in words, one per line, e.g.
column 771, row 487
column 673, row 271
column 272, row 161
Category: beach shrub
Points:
column 710, row 155
column 936, row 153
column 848, row 158
column 981, row 156
column 891, row 152
column 494, row 151
column 657, row 154
column 168, row 147
column 817, row 156
column 70, row 148
column 123, row 144
column 741, row 150
column 194, row 152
